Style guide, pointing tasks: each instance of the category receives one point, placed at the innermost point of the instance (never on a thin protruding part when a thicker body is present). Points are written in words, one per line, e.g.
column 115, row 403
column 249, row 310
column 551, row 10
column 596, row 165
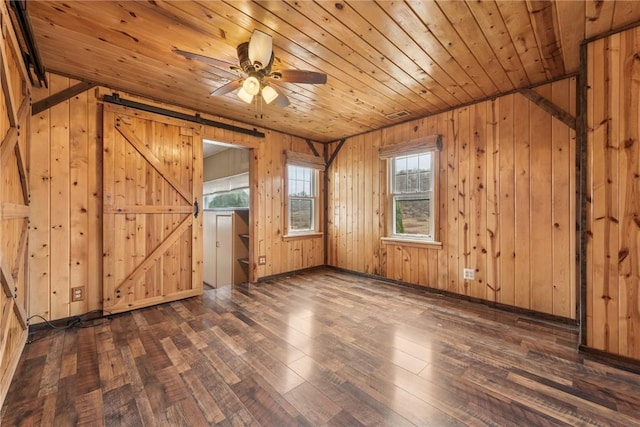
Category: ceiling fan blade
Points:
column 302, row 76
column 231, row 86
column 282, row 100
column 205, row 59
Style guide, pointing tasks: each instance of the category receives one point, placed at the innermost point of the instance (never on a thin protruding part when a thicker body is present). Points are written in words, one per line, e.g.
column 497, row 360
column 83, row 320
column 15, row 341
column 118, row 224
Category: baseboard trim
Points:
column 68, row 321
column 617, row 361
column 499, row 306
column 290, row 273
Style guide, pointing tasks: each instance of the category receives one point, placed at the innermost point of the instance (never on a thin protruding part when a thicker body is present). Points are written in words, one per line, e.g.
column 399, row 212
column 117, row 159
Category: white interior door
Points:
column 209, row 242
column 224, row 249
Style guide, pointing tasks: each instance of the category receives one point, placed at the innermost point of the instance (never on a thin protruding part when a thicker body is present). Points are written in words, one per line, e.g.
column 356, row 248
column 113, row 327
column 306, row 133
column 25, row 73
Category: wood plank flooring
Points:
column 318, row 348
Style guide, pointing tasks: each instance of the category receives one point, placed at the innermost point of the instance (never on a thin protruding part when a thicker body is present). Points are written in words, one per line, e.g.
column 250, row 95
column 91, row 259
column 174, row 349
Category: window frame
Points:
column 317, row 166
column 427, row 145
column 313, row 198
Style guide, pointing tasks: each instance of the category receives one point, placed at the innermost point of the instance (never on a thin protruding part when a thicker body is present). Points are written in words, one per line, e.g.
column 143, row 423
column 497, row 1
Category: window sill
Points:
column 301, row 236
column 411, row 242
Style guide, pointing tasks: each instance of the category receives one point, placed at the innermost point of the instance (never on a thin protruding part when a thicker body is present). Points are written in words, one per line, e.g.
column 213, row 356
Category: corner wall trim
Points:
column 115, row 99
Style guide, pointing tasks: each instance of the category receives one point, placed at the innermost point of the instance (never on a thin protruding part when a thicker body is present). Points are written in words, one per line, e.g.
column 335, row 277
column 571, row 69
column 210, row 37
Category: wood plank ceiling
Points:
column 381, row 57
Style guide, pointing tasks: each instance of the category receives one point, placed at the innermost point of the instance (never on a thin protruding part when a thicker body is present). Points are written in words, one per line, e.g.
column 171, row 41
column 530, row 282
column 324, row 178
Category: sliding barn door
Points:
column 152, row 185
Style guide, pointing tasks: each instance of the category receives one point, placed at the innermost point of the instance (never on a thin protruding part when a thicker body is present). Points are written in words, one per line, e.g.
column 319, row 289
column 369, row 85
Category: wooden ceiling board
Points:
column 442, row 29
column 545, row 29
column 489, row 20
column 380, row 57
column 436, row 80
column 464, row 24
column 599, row 17
column 426, row 40
column 369, row 41
column 571, row 32
column 516, row 18
column 348, row 49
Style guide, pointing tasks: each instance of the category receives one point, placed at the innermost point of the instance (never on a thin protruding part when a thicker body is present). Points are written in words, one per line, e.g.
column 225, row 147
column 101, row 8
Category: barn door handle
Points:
column 195, row 209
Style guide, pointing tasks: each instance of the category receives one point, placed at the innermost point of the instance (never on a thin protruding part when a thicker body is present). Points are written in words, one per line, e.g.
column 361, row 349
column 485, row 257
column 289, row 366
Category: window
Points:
column 229, row 192
column 413, row 169
column 232, row 199
column 301, row 187
column 412, row 196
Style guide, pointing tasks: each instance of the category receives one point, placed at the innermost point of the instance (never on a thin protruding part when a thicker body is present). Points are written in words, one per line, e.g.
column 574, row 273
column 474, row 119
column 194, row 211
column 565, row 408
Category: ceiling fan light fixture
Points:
column 245, row 96
column 269, row 94
column 251, row 85
column 260, row 48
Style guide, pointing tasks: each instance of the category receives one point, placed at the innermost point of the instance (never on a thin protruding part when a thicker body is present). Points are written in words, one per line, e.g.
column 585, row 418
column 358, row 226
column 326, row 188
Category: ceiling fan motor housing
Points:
column 243, row 57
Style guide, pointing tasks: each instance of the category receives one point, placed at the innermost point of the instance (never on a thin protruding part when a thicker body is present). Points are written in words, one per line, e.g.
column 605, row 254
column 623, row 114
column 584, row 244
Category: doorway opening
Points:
column 226, row 202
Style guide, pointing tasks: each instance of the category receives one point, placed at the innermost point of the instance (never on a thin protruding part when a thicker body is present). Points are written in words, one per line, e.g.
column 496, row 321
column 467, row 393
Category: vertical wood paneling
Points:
column 613, row 253
column 462, row 129
column 506, row 255
column 506, row 173
column 79, row 199
column 561, row 205
column 454, row 215
column 492, row 251
column 71, row 254
column 479, row 140
column 39, row 231
column 522, row 236
column 540, row 136
column 442, row 278
column 60, row 198
column 94, row 208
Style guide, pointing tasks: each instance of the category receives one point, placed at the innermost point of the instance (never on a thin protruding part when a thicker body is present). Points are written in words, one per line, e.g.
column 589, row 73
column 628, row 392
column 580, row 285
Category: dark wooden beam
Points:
column 582, row 205
column 550, row 107
column 61, row 96
column 325, row 206
column 335, row 153
column 312, row 147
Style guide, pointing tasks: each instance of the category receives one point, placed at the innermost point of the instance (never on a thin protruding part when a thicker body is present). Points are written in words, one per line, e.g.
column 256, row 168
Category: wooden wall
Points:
column 613, row 194
column 66, row 228
column 506, row 204
column 66, row 200
column 15, row 103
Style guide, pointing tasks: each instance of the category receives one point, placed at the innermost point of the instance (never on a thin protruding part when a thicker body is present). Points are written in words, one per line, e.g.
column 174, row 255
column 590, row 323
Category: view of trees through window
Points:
column 228, row 200
column 411, row 188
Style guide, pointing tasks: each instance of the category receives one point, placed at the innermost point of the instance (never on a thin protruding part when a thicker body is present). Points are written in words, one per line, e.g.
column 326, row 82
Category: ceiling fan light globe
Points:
column 269, row 94
column 260, row 48
column 251, row 85
column 245, row 96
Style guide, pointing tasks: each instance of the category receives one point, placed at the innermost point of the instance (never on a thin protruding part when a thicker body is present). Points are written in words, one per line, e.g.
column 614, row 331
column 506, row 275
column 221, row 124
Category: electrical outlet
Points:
column 262, row 260
column 468, row 273
column 77, row 293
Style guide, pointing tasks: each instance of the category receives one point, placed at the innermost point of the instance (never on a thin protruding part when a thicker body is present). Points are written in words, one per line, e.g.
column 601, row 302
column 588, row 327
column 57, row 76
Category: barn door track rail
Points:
column 115, row 99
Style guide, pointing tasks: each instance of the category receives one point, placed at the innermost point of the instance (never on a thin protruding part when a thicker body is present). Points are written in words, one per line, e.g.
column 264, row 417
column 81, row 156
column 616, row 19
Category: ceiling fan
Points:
column 255, row 59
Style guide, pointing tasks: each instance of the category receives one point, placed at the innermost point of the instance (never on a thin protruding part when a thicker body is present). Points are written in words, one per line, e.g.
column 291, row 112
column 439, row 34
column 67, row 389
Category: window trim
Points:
column 290, row 234
column 429, row 144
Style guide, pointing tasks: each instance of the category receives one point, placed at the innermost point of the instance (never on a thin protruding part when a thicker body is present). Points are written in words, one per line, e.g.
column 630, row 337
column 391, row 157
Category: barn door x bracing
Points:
column 152, row 185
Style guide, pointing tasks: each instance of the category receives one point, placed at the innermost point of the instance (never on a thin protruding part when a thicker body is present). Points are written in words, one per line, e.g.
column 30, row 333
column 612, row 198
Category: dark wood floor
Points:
column 319, row 348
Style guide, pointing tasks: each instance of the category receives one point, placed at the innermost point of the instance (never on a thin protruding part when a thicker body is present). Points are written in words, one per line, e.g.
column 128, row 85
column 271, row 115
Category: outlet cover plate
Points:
column 77, row 293
column 262, row 260
column 468, row 273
